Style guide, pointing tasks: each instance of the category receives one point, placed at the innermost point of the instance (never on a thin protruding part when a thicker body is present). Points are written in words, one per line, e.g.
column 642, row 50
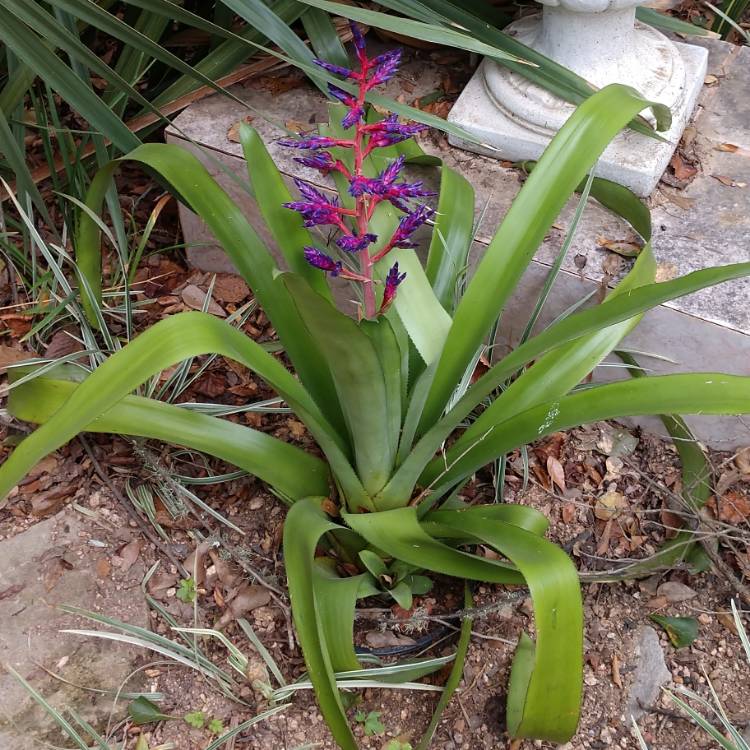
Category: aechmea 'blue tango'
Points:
column 352, row 224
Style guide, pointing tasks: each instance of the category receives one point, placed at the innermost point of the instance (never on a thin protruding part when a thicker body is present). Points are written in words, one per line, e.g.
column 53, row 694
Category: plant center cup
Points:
column 602, row 42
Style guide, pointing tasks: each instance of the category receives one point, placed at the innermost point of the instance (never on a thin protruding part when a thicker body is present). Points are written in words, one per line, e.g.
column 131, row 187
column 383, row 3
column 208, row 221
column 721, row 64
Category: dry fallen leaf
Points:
column 682, row 169
column 671, row 521
column 625, row 248
column 103, row 567
column 727, row 620
column 194, row 297
column 734, row 507
column 666, row 272
column 603, row 545
column 616, row 677
column 742, row 460
column 679, row 200
column 610, row 505
column 710, row 80
column 248, row 597
column 733, row 149
column 556, row 472
column 728, row 181
column 568, row 512
column 376, row 639
column 160, row 583
column 230, row 288
column 129, row 554
column 9, row 355
column 233, row 134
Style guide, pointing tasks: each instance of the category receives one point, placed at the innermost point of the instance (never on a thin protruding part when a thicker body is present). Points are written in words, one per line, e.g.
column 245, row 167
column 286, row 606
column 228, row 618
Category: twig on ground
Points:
column 130, row 510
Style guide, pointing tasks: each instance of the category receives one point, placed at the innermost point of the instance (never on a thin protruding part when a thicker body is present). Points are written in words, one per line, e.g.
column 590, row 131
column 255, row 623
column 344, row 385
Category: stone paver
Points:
column 41, row 568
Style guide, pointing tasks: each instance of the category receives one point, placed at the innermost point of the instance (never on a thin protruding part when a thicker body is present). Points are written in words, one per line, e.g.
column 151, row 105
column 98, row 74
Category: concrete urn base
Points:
column 516, row 119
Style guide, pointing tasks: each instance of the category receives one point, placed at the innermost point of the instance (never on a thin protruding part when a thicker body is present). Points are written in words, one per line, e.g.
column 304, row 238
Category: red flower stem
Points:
column 387, row 249
column 362, row 211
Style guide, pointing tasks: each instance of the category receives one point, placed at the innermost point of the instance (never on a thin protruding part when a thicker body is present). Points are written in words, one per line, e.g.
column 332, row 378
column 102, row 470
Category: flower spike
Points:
column 312, row 143
column 350, row 243
column 322, row 261
column 392, row 280
column 368, row 192
column 337, row 70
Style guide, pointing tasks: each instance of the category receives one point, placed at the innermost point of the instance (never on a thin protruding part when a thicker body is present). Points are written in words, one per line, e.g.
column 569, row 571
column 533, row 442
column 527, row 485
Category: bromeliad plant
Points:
column 389, row 396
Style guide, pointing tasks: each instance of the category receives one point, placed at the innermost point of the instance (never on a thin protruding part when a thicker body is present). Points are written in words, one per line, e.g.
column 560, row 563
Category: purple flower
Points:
column 355, row 115
column 321, row 160
column 392, row 280
column 386, row 66
column 350, row 243
column 359, row 44
column 343, row 96
column 311, row 194
column 409, row 224
column 312, row 142
column 391, row 173
column 385, row 186
column 337, row 70
column 322, row 261
column 315, row 214
column 359, row 185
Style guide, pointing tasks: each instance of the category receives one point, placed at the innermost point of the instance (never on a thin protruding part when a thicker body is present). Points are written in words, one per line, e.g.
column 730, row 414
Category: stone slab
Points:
column 48, row 565
column 706, row 224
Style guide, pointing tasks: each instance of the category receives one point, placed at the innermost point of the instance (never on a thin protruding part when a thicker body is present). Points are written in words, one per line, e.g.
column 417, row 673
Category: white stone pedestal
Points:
column 516, row 119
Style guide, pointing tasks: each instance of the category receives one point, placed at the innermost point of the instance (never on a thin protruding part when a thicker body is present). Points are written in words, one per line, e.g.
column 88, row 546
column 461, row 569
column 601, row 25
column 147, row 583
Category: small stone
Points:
column 675, row 592
column 650, row 672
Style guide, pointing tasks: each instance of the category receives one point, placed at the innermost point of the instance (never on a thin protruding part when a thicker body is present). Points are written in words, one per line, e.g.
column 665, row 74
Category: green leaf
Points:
column 401, row 594
column 291, row 471
column 335, row 602
column 452, row 235
column 373, row 562
column 37, row 55
column 226, row 220
column 196, row 719
column 399, row 534
column 215, row 726
column 706, row 393
column 371, row 721
column 682, row 631
column 564, row 164
column 612, row 311
column 358, row 378
column 304, row 526
column 415, row 29
column 544, row 694
column 163, row 345
column 383, row 338
column 186, row 591
column 225, row 57
column 559, row 371
column 324, row 38
column 143, row 711
column 259, row 15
